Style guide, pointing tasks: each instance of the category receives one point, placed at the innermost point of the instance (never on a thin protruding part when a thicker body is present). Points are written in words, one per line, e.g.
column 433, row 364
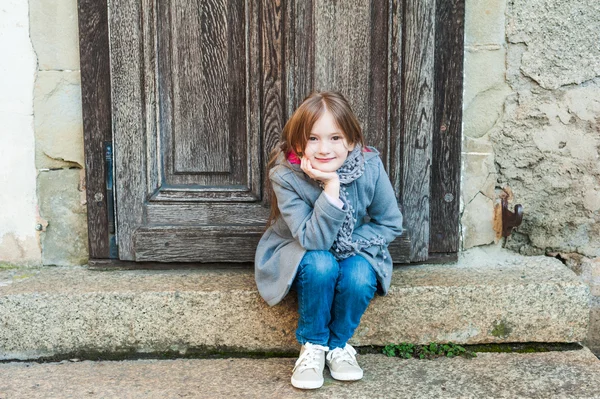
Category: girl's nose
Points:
column 324, row 147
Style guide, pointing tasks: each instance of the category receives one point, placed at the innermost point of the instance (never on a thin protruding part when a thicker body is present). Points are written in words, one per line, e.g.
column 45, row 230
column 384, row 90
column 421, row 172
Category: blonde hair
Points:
column 296, row 132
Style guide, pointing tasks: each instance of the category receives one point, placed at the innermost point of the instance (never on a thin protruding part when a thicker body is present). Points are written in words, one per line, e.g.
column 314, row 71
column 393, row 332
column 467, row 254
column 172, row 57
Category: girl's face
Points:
column 327, row 147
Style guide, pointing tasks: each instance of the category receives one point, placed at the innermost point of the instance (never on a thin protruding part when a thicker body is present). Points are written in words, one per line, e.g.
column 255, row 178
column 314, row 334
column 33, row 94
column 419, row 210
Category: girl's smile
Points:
column 327, row 147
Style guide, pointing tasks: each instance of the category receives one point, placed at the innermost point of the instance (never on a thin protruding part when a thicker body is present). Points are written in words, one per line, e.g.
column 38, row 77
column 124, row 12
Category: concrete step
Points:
column 489, row 295
column 570, row 374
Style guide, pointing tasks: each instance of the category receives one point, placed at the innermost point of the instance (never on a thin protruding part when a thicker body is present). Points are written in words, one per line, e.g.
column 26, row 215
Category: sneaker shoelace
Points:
column 346, row 354
column 310, row 357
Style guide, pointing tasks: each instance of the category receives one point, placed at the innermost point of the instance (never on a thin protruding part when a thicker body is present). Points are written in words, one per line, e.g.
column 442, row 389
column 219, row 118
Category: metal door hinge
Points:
column 110, row 200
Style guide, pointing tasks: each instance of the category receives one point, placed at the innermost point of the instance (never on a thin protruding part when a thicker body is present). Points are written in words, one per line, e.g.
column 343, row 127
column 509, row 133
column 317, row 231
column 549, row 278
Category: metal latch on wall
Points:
column 510, row 219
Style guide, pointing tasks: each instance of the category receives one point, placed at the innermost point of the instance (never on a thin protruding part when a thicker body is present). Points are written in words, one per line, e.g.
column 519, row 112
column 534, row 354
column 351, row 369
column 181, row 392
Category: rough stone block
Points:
column 61, row 198
column 547, row 151
column 485, row 90
column 484, row 22
column 58, row 120
column 477, row 222
column 590, row 274
column 489, row 295
column 484, row 70
column 561, row 39
column 55, row 34
column 593, row 336
column 485, row 111
column 479, row 176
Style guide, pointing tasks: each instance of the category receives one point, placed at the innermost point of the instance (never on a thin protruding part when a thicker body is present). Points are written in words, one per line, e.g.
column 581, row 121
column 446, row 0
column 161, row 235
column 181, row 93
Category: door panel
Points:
column 201, row 91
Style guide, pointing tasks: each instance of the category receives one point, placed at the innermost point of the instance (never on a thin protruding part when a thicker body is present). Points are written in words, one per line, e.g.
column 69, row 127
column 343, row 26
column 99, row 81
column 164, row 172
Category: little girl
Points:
column 333, row 214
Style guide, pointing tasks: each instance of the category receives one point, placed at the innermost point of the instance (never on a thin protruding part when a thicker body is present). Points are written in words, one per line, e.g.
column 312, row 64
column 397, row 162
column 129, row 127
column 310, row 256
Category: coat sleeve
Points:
column 316, row 227
column 386, row 218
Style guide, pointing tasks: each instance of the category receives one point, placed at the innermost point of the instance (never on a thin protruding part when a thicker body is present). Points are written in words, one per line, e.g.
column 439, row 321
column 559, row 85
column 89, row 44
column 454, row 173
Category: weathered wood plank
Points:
column 206, row 214
column 116, row 264
column 127, row 82
column 149, row 33
column 204, row 194
column 96, row 109
column 299, row 53
column 395, row 67
column 204, row 67
column 342, row 52
column 273, row 99
column 254, row 160
column 215, row 244
column 198, row 244
column 445, row 170
column 200, row 53
column 377, row 133
column 417, row 124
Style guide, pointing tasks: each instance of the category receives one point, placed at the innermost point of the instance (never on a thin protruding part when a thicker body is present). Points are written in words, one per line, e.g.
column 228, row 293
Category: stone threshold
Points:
column 488, row 296
column 570, row 374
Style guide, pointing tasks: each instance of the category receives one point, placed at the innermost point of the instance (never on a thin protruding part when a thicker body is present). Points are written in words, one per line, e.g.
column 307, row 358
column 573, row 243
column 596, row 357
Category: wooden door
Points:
column 200, row 91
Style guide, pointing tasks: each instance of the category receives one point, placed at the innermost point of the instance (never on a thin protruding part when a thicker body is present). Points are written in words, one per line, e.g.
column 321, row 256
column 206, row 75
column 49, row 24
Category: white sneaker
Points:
column 343, row 365
column 308, row 371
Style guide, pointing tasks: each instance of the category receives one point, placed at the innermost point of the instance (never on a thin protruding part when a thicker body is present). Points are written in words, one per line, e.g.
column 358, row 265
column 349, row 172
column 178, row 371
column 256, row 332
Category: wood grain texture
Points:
column 206, row 214
column 417, row 104
column 299, row 53
column 162, row 78
column 203, row 70
column 377, row 132
column 116, row 264
column 445, row 171
column 273, row 97
column 151, row 98
column 342, row 52
column 197, row 243
column 395, row 111
column 254, row 106
column 200, row 53
column 127, row 80
column 96, row 109
column 214, row 244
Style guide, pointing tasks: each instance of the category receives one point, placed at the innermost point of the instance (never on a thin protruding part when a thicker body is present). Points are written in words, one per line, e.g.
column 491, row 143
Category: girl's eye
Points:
column 337, row 138
column 311, row 138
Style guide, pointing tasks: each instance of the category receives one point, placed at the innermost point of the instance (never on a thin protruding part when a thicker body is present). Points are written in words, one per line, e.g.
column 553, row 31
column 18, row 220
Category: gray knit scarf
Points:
column 343, row 247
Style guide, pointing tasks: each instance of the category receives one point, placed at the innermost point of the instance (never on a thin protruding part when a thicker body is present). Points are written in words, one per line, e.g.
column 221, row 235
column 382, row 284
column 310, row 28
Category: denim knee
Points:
column 358, row 278
column 319, row 265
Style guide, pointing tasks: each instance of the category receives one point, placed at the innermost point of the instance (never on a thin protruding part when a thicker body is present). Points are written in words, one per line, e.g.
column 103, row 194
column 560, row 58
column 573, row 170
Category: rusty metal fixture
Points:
column 510, row 219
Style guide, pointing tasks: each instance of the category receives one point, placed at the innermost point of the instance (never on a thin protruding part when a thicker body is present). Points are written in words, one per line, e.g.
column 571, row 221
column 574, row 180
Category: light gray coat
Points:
column 309, row 221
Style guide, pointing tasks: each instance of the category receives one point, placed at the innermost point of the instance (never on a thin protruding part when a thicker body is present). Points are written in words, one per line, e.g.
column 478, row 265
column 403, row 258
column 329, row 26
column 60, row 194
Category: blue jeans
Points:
column 332, row 297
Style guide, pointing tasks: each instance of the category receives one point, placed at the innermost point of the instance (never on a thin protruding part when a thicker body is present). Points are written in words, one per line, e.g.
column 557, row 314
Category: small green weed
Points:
column 430, row 351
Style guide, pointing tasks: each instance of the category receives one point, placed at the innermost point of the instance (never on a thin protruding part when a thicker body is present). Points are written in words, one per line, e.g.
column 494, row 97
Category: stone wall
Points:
column 59, row 132
column 532, row 130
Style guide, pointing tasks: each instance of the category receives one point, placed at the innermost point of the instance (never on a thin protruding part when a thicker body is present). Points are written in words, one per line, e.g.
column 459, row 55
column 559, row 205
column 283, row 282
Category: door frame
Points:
column 446, row 136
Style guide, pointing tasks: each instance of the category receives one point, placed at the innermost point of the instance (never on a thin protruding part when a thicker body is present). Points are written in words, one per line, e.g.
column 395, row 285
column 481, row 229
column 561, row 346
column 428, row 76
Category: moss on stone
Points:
column 528, row 347
column 501, row 329
column 7, row 266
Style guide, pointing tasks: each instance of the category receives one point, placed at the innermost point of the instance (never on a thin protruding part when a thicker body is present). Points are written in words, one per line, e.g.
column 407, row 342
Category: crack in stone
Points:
column 70, row 164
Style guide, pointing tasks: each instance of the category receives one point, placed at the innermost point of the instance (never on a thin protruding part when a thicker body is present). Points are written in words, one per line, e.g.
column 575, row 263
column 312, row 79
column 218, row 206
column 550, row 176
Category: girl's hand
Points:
column 315, row 174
